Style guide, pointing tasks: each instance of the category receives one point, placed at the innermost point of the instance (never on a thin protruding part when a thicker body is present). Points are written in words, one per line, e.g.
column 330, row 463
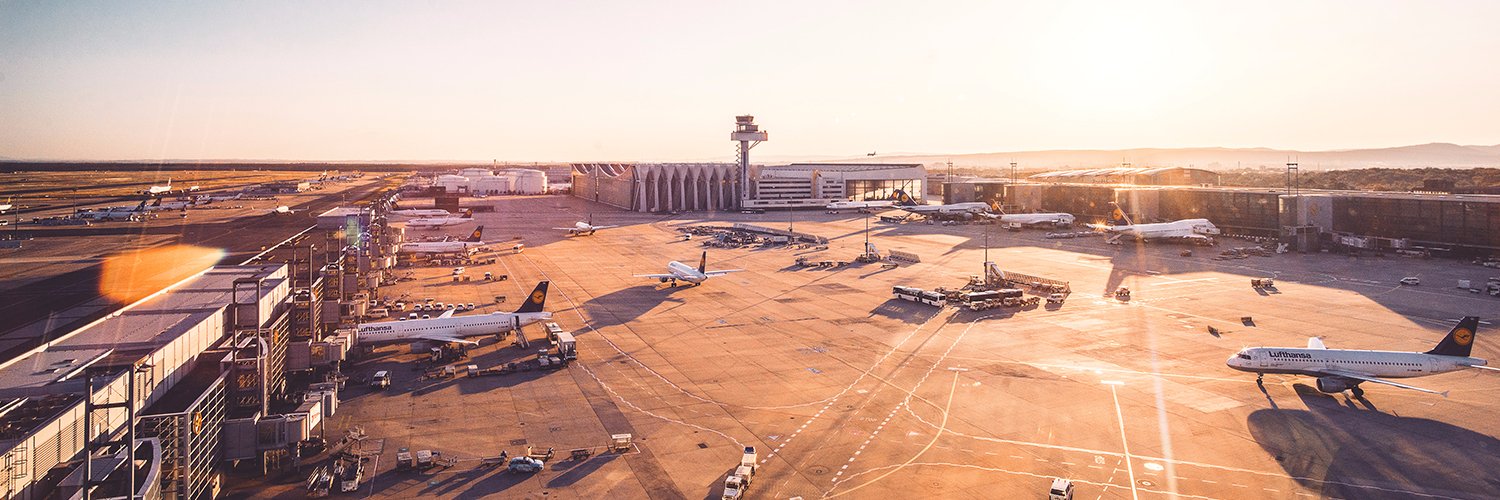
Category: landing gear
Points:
column 1260, row 379
column 1357, row 392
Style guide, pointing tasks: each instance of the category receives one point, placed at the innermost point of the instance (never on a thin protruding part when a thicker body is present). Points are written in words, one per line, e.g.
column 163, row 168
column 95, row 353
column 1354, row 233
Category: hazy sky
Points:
column 654, row 80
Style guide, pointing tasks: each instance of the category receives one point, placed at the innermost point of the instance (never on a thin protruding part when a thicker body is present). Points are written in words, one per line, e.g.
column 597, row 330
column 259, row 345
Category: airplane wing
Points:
column 657, row 276
column 450, row 340
column 1367, row 378
column 721, row 272
column 447, row 314
column 604, row 227
column 565, row 228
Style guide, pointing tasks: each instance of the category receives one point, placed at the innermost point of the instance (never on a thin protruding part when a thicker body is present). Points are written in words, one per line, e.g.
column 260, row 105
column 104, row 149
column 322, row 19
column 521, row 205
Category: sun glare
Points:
column 132, row 275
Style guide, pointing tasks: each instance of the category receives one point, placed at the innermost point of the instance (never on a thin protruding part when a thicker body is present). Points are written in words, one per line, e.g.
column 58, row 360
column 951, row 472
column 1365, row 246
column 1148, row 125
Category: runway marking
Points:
column 952, row 389
column 1124, row 442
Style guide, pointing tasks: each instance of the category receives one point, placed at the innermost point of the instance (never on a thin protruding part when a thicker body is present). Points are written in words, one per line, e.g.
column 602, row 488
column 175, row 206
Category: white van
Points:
column 1062, row 489
column 381, row 380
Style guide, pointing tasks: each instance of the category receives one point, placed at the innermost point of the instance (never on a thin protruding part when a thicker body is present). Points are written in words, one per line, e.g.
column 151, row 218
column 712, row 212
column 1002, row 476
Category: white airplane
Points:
column 861, row 205
column 1193, row 230
column 437, row 222
column 155, row 190
column 211, row 198
column 176, row 205
column 113, row 213
column 583, row 228
column 679, row 271
column 448, row 328
column 1341, row 370
column 283, row 210
column 5, row 207
column 469, row 244
column 1057, row 219
column 421, row 212
column 967, row 209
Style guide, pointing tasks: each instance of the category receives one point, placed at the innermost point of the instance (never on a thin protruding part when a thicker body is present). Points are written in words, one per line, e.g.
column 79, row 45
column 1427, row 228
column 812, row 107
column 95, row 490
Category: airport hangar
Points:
column 652, row 187
column 1309, row 220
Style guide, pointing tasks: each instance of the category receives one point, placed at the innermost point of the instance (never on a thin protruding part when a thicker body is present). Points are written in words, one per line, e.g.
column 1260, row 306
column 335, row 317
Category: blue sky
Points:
column 652, row 80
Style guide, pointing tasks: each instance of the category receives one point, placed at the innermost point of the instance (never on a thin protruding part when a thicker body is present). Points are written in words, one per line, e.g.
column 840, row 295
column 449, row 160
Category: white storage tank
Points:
column 453, row 183
column 530, row 182
column 492, row 184
column 475, row 173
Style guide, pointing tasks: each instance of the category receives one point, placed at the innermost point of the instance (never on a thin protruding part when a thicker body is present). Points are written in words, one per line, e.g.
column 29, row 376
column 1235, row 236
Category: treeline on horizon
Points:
column 1367, row 179
column 43, row 166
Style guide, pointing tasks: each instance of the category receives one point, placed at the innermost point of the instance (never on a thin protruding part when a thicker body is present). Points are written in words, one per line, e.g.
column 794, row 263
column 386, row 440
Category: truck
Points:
column 350, row 471
column 736, row 484
column 1262, row 283
column 381, row 380
column 1062, row 489
column 567, row 347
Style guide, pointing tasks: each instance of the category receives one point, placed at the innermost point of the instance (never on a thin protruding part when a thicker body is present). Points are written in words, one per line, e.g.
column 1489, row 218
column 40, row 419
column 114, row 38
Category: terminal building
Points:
column 1467, row 224
column 652, row 187
column 484, row 181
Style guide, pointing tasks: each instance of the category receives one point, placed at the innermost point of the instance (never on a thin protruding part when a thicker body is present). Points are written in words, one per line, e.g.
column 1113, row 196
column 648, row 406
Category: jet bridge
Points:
column 994, row 277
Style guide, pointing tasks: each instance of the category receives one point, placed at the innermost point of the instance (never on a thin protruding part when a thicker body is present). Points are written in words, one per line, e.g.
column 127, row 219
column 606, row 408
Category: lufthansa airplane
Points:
column 678, row 271
column 1192, row 230
column 1341, row 370
column 454, row 329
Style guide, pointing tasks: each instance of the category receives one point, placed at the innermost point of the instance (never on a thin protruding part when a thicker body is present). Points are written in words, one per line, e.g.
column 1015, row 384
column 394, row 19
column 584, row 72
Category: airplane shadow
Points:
column 1342, row 451
column 625, row 305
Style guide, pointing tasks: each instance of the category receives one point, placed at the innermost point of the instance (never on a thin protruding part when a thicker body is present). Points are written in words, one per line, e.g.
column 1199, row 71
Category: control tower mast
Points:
column 748, row 135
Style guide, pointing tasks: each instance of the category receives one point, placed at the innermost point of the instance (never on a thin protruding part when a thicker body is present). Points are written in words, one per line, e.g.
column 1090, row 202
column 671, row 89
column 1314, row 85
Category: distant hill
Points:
column 1418, row 156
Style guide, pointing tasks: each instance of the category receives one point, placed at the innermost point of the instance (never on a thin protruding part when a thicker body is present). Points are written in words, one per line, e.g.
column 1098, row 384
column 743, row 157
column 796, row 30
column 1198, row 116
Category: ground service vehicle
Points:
column 381, row 380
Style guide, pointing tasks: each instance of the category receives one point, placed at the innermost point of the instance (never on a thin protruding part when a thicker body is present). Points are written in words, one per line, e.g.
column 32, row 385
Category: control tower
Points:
column 749, row 135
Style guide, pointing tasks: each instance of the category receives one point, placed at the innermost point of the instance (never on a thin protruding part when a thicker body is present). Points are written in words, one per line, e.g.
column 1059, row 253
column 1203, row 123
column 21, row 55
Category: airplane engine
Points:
column 664, row 280
column 1335, row 385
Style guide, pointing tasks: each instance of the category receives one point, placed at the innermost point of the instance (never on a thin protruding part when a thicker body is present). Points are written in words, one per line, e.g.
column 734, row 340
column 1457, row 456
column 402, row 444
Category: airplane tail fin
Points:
column 142, row 206
column 156, row 203
column 468, row 214
column 703, row 262
column 536, row 300
column 476, row 236
column 995, row 207
column 1117, row 216
column 903, row 199
column 1460, row 340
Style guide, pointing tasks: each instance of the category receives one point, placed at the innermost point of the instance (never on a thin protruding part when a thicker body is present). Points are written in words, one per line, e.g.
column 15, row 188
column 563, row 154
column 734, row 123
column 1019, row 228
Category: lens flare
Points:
column 129, row 276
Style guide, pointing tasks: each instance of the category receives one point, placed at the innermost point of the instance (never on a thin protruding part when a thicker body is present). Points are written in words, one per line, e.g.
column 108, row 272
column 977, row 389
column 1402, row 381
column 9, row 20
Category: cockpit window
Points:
column 1243, row 356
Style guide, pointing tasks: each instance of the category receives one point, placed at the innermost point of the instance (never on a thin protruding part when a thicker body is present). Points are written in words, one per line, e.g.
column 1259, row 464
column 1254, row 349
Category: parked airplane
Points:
column 283, row 210
column 212, row 198
column 1055, row 219
column 470, row 244
column 5, row 207
column 967, row 209
column 1193, row 230
column 679, row 271
column 862, row 205
column 155, row 190
column 421, row 212
column 176, row 205
column 455, row 329
column 113, row 213
column 583, row 228
column 437, row 222
column 1341, row 370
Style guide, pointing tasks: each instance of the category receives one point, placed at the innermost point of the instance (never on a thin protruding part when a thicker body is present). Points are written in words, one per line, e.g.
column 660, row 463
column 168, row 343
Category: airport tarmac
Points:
column 847, row 393
column 54, row 282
